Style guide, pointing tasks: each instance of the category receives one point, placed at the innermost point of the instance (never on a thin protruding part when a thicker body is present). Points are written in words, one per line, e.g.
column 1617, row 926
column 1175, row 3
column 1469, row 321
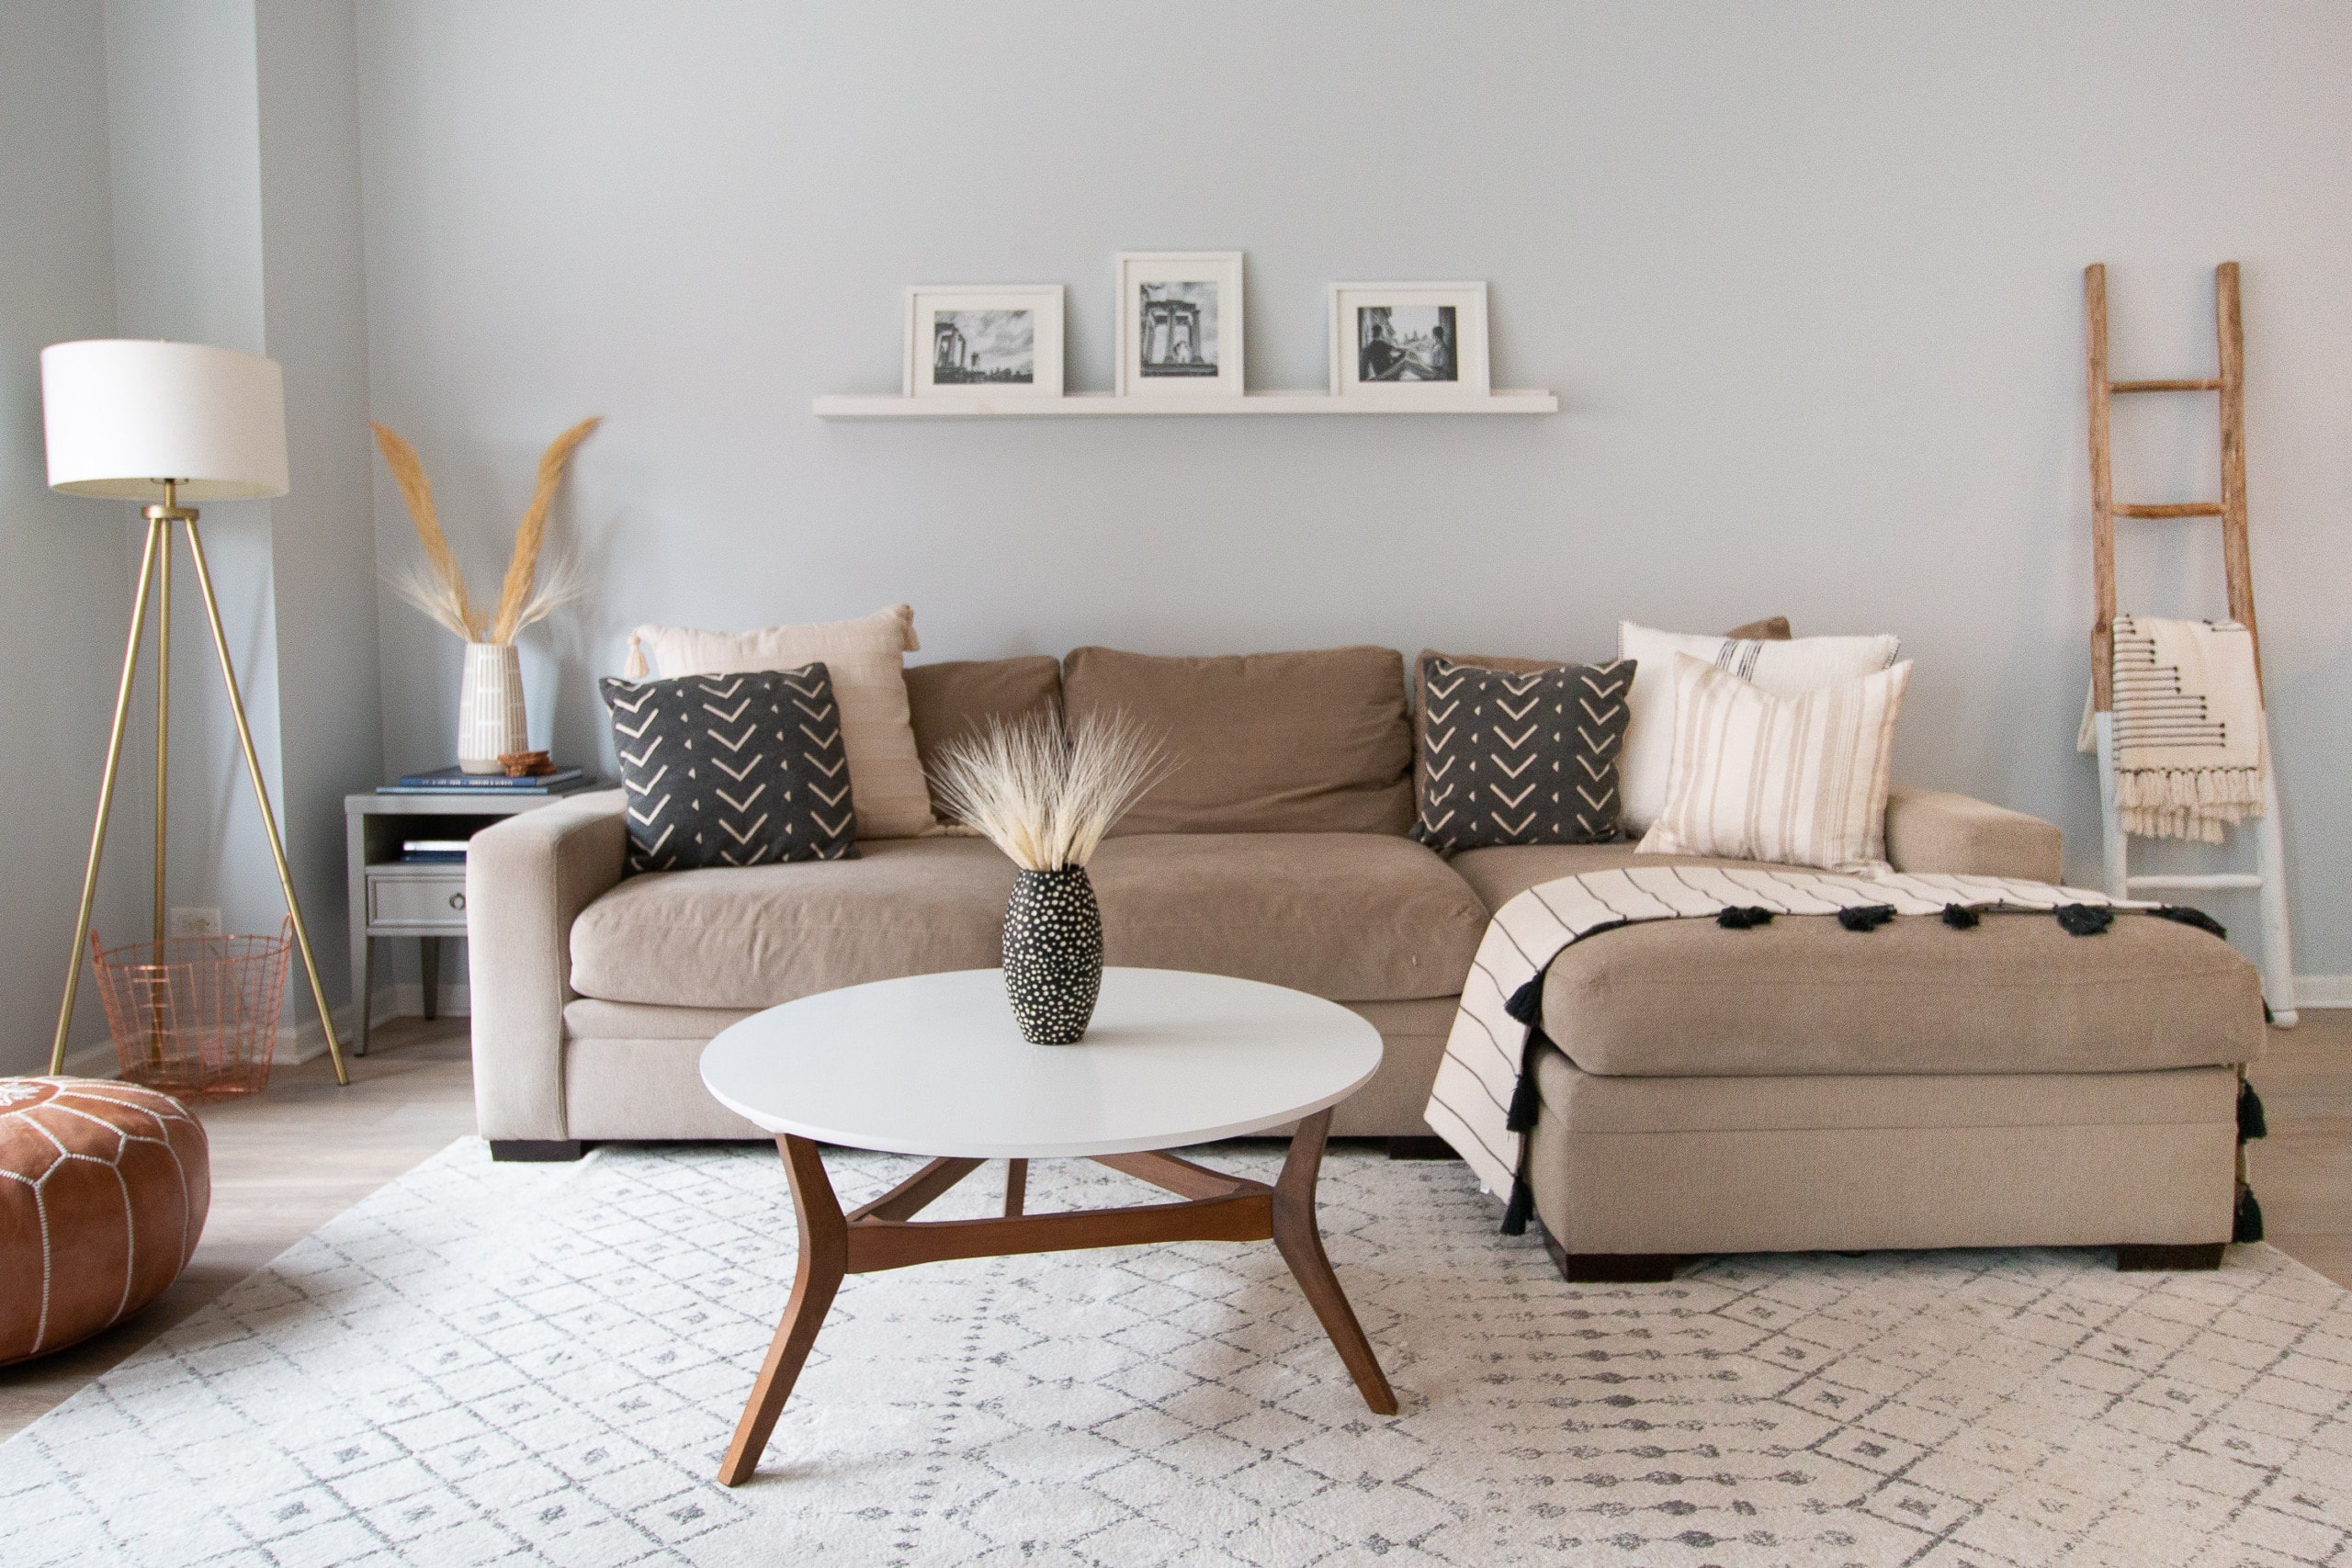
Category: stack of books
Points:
column 433, row 851
column 457, row 781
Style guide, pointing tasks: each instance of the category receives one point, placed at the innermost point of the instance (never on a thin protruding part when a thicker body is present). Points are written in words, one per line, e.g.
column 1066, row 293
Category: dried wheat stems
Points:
column 1045, row 797
column 525, row 597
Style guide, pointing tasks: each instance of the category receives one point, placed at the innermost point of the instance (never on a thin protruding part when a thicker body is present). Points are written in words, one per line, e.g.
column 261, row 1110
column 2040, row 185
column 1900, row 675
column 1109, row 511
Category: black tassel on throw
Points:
column 1526, row 1103
column 1735, row 918
column 2252, row 1123
column 1526, row 1004
column 2085, row 919
column 1866, row 917
column 2248, row 1226
column 1522, row 1205
column 2198, row 918
column 1960, row 918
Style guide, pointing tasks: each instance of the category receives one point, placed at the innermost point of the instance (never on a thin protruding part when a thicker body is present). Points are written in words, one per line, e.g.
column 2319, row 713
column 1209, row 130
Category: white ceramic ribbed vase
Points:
column 490, row 707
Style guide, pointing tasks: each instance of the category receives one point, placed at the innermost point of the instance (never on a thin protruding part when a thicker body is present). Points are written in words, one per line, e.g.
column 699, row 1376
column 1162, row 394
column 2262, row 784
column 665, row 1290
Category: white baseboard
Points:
column 2324, row 991
column 296, row 1042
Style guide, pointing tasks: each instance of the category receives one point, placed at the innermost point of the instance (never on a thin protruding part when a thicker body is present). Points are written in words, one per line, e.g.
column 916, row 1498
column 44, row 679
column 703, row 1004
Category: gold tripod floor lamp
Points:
column 166, row 422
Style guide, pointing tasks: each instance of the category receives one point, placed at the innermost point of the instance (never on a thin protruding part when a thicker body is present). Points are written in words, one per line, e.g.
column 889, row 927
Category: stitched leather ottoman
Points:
column 103, row 1192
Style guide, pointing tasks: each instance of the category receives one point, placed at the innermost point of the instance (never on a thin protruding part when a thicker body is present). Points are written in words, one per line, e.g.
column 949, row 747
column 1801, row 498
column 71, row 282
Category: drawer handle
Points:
column 457, row 901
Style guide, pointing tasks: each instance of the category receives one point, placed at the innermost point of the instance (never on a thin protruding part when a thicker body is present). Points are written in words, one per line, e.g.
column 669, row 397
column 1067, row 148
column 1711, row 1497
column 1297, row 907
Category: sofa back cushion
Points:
column 1314, row 742
column 958, row 697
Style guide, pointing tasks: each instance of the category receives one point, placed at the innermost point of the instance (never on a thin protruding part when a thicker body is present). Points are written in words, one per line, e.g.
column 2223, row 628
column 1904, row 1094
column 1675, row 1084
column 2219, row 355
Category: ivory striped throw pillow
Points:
column 1800, row 781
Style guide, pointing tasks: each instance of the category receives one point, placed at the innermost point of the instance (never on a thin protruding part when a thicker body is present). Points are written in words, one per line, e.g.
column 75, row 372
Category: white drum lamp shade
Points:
column 124, row 415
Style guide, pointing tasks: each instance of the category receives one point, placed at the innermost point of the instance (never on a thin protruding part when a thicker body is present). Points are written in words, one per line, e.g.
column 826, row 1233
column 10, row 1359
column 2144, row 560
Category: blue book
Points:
column 458, row 779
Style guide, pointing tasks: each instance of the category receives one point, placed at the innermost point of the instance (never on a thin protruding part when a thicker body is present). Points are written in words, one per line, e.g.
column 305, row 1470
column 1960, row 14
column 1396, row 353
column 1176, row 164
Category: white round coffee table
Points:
column 934, row 1065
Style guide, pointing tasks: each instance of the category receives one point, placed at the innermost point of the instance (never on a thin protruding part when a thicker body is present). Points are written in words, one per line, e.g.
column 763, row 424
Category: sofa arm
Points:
column 1930, row 830
column 527, row 880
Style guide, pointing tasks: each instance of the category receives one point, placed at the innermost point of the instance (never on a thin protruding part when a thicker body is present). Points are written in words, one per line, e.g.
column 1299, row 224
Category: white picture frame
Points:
column 1180, row 324
column 985, row 340
column 1420, row 343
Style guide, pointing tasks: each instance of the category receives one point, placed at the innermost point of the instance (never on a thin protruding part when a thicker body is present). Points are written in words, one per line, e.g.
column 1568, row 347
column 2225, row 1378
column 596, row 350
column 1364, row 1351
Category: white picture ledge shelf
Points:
column 1088, row 405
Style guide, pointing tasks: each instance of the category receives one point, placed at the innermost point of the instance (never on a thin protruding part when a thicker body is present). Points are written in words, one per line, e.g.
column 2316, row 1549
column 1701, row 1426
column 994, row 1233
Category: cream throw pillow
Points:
column 1784, row 667
column 1800, row 781
column 867, row 658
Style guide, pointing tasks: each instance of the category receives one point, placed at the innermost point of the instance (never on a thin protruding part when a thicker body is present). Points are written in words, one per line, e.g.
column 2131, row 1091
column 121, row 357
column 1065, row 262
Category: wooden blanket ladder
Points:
column 2268, row 879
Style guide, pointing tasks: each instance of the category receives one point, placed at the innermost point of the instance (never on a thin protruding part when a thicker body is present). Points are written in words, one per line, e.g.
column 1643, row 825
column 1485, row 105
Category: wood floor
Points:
column 286, row 1163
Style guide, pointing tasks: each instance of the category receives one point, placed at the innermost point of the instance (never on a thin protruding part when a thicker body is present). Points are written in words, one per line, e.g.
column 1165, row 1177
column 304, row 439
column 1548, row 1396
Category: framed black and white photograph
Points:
column 979, row 339
column 1415, row 341
column 1180, row 323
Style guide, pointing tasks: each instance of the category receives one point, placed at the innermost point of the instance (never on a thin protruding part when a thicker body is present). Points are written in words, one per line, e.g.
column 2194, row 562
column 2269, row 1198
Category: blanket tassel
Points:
column 2085, row 919
column 1960, row 918
column 1526, row 1102
column 1522, row 1205
column 2252, row 1123
column 2248, row 1226
column 2198, row 918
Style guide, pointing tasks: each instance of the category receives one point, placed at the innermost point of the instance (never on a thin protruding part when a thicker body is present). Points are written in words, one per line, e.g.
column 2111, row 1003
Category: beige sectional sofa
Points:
column 1795, row 1086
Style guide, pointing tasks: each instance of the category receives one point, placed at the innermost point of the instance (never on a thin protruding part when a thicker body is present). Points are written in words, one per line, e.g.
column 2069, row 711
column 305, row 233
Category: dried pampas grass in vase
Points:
column 1046, row 797
column 491, row 720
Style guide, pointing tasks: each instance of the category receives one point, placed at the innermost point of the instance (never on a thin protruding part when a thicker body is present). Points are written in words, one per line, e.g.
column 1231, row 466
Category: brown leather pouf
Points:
column 103, row 1191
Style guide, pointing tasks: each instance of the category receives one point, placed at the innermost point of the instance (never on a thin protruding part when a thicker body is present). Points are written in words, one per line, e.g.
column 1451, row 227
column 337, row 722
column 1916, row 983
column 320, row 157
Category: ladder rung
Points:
column 2181, row 509
column 2163, row 386
column 2217, row 882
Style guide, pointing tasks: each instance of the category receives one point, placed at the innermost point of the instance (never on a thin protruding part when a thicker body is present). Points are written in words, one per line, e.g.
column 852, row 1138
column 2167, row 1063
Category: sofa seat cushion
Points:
column 1353, row 917
column 2015, row 994
column 755, row 936
column 1502, row 871
column 1590, row 1103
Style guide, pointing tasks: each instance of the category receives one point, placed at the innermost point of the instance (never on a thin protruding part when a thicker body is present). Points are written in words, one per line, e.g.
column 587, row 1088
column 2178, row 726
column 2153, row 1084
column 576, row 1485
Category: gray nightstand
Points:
column 393, row 897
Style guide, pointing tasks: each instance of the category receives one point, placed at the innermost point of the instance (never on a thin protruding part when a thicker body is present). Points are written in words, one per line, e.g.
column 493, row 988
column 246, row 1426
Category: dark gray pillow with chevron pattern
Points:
column 1520, row 757
column 732, row 770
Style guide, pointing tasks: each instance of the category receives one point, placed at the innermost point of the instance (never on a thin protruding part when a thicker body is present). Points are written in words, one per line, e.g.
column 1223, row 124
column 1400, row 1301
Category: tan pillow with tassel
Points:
column 867, row 658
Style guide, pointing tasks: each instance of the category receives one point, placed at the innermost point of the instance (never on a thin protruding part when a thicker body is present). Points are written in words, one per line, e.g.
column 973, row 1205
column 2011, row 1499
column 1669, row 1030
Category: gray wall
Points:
column 323, row 550
column 184, row 169
column 236, row 221
column 1806, row 277
column 64, row 584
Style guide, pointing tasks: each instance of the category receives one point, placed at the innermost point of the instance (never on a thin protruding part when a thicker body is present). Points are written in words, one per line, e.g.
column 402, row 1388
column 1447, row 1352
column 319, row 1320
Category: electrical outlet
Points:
column 194, row 922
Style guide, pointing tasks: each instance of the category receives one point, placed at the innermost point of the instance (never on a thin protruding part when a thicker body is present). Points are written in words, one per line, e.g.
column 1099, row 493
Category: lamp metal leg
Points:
column 105, row 800
column 261, row 794
column 162, row 716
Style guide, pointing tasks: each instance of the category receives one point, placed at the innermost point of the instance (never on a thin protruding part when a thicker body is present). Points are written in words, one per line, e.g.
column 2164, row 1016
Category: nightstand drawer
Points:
column 437, row 898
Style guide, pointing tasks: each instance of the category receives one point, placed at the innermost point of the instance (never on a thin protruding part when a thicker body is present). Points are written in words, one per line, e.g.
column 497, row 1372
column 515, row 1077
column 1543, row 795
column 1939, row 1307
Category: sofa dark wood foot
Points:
column 2135, row 1258
column 1609, row 1267
column 1421, row 1148
column 536, row 1150
column 1616, row 1268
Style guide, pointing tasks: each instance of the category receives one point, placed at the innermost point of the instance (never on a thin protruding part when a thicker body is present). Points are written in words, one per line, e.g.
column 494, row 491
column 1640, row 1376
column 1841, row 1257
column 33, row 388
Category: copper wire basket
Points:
column 196, row 1016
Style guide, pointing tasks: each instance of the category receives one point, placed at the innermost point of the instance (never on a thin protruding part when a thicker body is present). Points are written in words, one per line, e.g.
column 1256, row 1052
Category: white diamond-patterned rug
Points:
column 494, row 1363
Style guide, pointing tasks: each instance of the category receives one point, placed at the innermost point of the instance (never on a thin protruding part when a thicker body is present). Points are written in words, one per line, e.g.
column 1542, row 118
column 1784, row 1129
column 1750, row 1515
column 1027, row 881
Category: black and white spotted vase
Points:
column 1053, row 954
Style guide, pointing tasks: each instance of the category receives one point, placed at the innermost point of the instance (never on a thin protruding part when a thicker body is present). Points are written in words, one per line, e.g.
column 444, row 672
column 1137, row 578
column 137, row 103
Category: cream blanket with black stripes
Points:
column 1488, row 1059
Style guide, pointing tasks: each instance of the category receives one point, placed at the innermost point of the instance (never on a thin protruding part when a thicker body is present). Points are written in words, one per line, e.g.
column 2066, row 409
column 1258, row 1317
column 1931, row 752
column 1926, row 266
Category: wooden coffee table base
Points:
column 884, row 1234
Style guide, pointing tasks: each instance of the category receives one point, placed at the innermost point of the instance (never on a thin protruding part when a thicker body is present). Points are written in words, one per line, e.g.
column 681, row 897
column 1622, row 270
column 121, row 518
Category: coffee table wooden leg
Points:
column 1301, row 1241
column 1016, row 1186
column 824, row 1258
